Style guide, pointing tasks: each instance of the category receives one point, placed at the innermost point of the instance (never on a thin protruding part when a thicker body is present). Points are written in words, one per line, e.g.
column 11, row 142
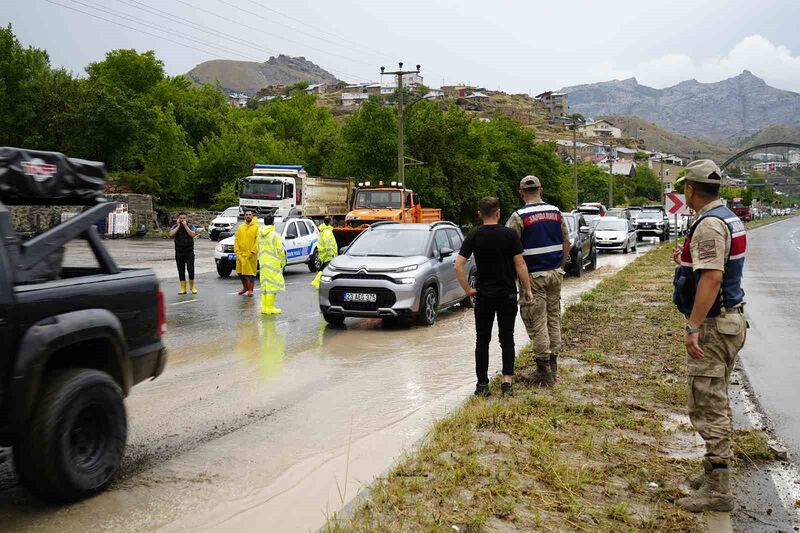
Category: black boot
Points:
column 554, row 366
column 543, row 377
column 482, row 389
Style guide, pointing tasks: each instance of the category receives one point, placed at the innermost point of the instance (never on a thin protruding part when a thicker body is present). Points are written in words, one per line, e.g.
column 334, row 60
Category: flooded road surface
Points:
column 272, row 423
column 772, row 292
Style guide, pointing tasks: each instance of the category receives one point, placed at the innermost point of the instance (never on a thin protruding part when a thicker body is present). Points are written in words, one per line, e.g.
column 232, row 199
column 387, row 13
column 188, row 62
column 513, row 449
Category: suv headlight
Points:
column 409, row 268
column 406, row 281
column 219, row 248
column 325, row 279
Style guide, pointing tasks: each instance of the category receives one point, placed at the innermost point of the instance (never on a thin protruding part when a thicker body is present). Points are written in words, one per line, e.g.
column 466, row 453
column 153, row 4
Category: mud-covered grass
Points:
column 605, row 450
column 752, row 446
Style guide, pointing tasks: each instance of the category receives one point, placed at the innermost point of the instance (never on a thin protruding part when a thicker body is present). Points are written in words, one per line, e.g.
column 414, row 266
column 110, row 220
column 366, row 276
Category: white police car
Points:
column 299, row 236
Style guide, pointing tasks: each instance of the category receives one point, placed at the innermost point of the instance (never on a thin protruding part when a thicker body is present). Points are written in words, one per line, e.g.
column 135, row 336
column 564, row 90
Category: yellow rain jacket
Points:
column 246, row 247
column 327, row 244
column 271, row 260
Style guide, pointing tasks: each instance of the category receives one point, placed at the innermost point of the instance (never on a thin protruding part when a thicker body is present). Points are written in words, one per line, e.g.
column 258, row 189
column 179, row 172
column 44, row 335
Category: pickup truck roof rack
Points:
column 51, row 178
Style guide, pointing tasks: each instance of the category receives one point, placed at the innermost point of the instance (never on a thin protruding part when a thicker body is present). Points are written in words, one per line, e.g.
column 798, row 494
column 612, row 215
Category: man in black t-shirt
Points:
column 184, row 233
column 498, row 256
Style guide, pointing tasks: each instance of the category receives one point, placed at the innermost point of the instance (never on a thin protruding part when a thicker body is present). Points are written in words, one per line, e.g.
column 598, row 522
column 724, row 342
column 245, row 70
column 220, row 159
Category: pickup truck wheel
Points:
column 224, row 271
column 577, row 269
column 428, row 307
column 314, row 264
column 76, row 439
column 469, row 302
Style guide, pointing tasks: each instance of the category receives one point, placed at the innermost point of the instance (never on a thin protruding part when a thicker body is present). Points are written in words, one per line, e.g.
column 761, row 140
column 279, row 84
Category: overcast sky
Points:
column 517, row 46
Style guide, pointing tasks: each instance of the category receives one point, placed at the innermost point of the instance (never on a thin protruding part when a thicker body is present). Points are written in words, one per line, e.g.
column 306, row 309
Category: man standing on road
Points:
column 271, row 260
column 708, row 292
column 246, row 247
column 326, row 248
column 498, row 256
column 545, row 239
column 184, row 233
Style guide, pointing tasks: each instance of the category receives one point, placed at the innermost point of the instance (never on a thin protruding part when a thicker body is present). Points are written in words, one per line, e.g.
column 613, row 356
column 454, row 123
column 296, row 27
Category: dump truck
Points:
column 374, row 203
column 289, row 188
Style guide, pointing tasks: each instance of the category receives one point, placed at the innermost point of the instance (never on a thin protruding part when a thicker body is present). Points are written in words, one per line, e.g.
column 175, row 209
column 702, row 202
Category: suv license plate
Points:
column 360, row 297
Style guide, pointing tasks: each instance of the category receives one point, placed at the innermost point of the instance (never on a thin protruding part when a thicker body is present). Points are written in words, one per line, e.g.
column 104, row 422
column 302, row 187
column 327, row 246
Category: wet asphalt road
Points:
column 771, row 356
column 269, row 423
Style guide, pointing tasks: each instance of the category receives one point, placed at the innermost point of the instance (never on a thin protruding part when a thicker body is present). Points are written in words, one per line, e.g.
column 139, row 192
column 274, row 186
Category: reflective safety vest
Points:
column 686, row 279
column 542, row 240
column 271, row 260
column 327, row 244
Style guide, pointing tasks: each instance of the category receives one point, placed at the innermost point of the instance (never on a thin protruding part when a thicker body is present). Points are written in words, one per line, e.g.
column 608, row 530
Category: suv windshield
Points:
column 270, row 189
column 389, row 242
column 378, row 199
column 651, row 215
column 230, row 212
column 612, row 225
column 570, row 223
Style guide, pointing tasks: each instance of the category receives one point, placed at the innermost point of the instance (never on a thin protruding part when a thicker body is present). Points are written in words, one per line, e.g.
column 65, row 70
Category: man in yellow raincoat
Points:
column 245, row 246
column 271, row 260
column 326, row 248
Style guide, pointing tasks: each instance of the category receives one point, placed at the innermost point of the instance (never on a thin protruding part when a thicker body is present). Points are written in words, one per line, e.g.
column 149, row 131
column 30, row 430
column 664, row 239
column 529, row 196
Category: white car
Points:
column 299, row 236
column 683, row 224
column 224, row 222
column 615, row 234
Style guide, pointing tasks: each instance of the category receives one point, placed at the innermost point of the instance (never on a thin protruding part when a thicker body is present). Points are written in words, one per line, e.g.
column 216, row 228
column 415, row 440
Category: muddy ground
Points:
column 263, row 423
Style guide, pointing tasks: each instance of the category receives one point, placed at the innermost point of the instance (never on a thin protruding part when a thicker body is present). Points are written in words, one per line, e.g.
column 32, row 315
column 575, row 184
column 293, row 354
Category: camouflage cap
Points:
column 530, row 182
column 702, row 171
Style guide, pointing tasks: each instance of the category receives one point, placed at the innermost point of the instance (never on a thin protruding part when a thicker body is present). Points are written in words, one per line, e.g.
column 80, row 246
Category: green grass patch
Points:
column 582, row 456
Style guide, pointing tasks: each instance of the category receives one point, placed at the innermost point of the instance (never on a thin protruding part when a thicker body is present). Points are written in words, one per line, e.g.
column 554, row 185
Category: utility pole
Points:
column 611, row 174
column 662, row 178
column 401, row 165
column 575, row 161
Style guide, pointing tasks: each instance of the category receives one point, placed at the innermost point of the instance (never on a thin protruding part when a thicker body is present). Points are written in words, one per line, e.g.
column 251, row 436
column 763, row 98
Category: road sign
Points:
column 675, row 203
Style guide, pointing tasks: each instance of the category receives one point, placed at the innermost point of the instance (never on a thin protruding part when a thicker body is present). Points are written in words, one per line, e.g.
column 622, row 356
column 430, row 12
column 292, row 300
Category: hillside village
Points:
column 623, row 142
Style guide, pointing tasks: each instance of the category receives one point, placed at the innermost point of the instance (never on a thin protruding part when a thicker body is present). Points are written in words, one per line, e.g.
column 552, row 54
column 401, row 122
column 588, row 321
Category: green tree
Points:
column 200, row 111
column 128, row 69
column 170, row 161
column 20, row 71
column 369, row 149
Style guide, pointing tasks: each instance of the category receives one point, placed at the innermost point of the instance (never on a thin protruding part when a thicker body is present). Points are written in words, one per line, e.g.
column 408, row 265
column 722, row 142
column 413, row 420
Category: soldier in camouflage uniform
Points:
column 708, row 291
column 545, row 240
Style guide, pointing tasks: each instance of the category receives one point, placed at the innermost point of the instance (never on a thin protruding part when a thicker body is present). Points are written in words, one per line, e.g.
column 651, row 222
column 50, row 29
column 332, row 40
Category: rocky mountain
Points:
column 248, row 77
column 770, row 134
column 658, row 138
column 721, row 111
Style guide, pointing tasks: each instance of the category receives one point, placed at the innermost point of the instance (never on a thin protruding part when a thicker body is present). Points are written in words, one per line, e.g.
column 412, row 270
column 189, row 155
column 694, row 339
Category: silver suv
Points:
column 395, row 271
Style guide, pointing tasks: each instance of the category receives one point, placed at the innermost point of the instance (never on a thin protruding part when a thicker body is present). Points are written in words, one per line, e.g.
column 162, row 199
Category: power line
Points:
column 377, row 53
column 134, row 29
column 261, row 31
column 184, row 21
column 148, row 23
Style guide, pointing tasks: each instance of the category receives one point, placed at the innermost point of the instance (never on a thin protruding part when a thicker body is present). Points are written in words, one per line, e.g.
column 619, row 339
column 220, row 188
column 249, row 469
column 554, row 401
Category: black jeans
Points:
column 185, row 262
column 486, row 308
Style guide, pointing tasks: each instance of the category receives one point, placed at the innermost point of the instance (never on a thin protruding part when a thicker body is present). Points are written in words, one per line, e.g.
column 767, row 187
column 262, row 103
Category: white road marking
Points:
column 184, row 302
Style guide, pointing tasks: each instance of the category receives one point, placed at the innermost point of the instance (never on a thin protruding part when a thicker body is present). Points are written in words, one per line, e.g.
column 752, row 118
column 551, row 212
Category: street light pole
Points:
column 401, row 167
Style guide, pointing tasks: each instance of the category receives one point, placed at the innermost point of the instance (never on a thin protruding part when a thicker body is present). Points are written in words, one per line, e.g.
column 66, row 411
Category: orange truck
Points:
column 373, row 203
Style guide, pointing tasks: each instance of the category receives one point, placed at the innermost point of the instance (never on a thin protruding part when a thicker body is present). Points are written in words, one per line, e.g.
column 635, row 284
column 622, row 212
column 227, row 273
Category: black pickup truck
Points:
column 73, row 340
